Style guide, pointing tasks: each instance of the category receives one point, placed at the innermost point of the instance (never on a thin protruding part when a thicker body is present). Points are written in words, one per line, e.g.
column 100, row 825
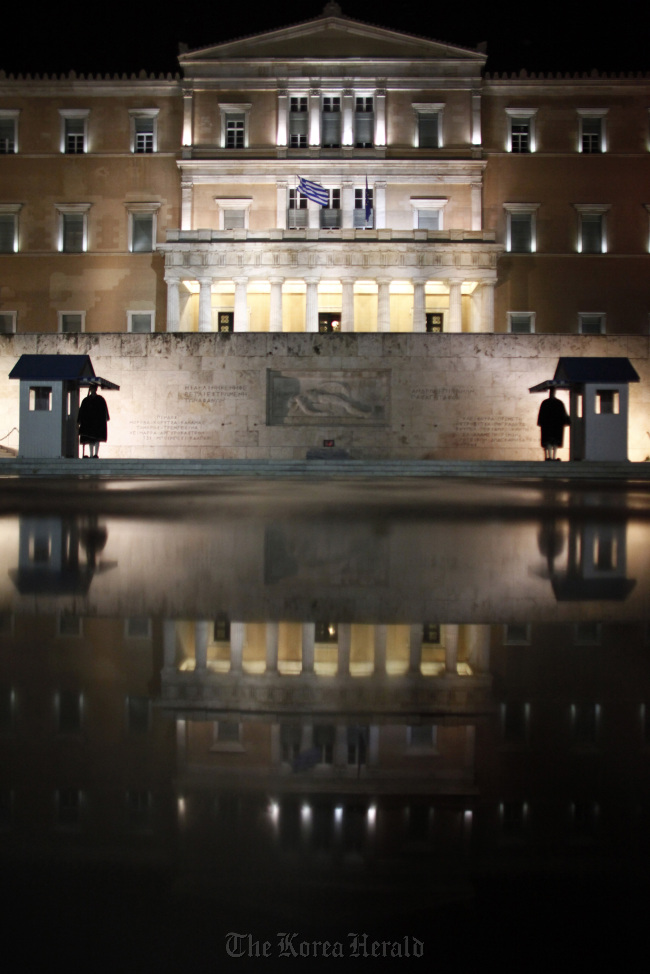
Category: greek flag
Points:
column 313, row 191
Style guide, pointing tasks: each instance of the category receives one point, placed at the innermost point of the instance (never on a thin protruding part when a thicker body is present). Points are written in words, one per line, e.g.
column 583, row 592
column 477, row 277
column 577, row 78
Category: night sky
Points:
column 123, row 36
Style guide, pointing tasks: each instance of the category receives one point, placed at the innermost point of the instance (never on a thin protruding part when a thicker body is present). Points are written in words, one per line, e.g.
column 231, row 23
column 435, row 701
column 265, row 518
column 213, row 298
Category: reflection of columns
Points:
column 275, row 323
column 347, row 203
column 419, row 317
column 383, row 304
column 379, row 203
column 345, row 634
column 476, row 207
column 283, row 110
column 455, row 310
column 451, row 648
column 487, row 296
column 381, row 634
column 201, row 639
column 347, row 304
column 415, row 648
column 241, row 303
column 271, row 647
column 173, row 304
column 340, row 746
column 306, row 736
column 237, row 632
column 311, row 304
column 205, row 304
column 308, row 640
column 479, row 648
column 169, row 644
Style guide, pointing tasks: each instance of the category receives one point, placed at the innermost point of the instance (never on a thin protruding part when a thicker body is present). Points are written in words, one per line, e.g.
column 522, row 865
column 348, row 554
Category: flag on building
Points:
column 313, row 191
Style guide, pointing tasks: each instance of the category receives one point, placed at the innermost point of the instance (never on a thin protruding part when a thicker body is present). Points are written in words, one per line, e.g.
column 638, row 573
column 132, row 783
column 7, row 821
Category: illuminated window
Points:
column 363, row 208
column 298, row 122
column 330, row 215
column 521, row 322
column 8, row 132
column 434, row 322
column 521, row 227
column 521, row 130
column 140, row 322
column 607, row 402
column 364, row 122
column 427, row 212
column 234, row 126
column 331, row 122
column 591, row 135
column 297, row 210
column 9, row 227
column 233, row 212
column 592, row 235
column 73, row 227
column 40, row 401
column 74, row 133
column 428, row 125
column 591, row 324
column 221, row 633
column 144, row 130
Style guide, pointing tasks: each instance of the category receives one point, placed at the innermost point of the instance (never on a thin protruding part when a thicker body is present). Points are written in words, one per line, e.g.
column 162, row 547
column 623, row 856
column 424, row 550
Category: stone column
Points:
column 451, row 648
column 347, row 304
column 383, row 304
column 188, row 136
column 419, row 317
column 487, row 294
column 311, row 304
column 281, row 204
column 202, row 629
column 476, row 120
column 314, row 117
column 237, row 634
column 205, row 304
column 347, row 203
column 380, row 117
column 271, row 647
column 347, row 118
column 455, row 311
column 477, row 207
column 415, row 648
column 173, row 303
column 241, row 303
column 186, row 205
column 308, row 642
column 275, row 317
column 381, row 637
column 313, row 215
column 379, row 204
column 345, row 635
column 283, row 114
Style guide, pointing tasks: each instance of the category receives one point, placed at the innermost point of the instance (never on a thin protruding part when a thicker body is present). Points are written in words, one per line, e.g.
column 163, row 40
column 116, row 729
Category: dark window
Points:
column 142, row 233
column 75, row 129
column 429, row 130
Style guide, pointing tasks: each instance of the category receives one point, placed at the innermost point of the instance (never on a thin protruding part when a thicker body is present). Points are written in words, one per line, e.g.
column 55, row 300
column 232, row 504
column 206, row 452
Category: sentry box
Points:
column 49, row 402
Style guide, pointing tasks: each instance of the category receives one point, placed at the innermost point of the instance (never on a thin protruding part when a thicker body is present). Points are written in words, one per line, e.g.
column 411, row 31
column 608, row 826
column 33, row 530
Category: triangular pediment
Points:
column 331, row 37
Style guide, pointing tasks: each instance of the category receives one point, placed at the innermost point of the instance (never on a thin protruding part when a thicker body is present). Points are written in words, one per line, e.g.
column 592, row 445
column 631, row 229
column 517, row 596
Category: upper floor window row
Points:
column 74, row 136
column 8, row 132
column 330, row 121
column 522, row 135
column 521, row 228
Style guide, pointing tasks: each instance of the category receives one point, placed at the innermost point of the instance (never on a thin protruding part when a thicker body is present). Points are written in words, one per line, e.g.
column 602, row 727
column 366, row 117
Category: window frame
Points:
column 330, row 97
column 592, row 210
column 515, row 115
column 368, row 117
column 12, row 316
column 521, row 209
column 334, row 206
column 63, row 314
column 10, row 115
column 136, row 210
column 430, row 204
column 584, row 315
column 587, row 114
column 143, row 113
column 69, row 115
column 129, row 322
column 11, row 210
column 72, row 209
column 224, row 204
column 420, row 109
column 298, row 97
column 227, row 109
column 529, row 315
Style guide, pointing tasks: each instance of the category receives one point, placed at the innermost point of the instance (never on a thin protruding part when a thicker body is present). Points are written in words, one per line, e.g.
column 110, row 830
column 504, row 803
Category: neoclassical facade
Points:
column 446, row 199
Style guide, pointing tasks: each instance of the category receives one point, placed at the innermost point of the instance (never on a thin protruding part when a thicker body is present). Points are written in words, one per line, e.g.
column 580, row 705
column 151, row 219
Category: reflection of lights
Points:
column 467, row 818
column 181, row 807
column 274, row 812
column 331, row 630
column 305, row 813
column 338, row 814
column 372, row 816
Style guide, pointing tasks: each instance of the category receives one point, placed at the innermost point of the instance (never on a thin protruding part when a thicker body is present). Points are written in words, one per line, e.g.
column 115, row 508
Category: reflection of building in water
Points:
column 59, row 556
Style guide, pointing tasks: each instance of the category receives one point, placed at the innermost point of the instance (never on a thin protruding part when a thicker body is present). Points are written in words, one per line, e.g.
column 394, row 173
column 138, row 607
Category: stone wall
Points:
column 278, row 395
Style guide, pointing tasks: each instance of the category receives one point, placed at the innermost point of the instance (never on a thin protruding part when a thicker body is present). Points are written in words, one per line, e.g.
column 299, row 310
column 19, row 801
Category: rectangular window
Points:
column 591, row 324
column 8, row 140
column 297, row 213
column 521, row 322
column 521, row 233
column 140, row 322
column 428, row 219
column 74, row 135
column 73, row 236
column 364, row 122
column 235, row 130
column 607, row 402
column 142, row 233
column 298, row 122
column 434, row 322
column 591, row 233
column 40, row 399
column 521, row 130
column 234, row 219
column 71, row 323
column 7, row 322
column 8, row 234
column 330, row 215
column 363, row 209
column 429, row 130
column 331, row 122
column 592, row 133
column 144, row 134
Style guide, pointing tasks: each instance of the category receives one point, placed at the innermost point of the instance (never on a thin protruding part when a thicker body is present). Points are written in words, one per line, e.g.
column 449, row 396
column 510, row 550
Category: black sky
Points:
column 122, row 36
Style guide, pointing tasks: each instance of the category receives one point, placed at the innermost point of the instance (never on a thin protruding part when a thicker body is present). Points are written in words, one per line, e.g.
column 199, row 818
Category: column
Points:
column 381, row 638
column 283, row 114
column 383, row 304
column 281, row 204
column 308, row 642
column 476, row 119
column 186, row 205
column 487, row 294
column 451, row 648
column 314, row 116
column 347, row 203
column 415, row 648
column 275, row 318
column 347, row 120
column 379, row 202
column 202, row 630
column 241, row 303
column 205, row 304
column 419, row 316
column 313, row 215
column 455, row 312
column 347, row 304
column 271, row 647
column 237, row 634
column 311, row 304
column 188, row 137
column 477, row 206
column 476, row 309
column 380, row 117
column 169, row 644
column 345, row 635
column 173, row 303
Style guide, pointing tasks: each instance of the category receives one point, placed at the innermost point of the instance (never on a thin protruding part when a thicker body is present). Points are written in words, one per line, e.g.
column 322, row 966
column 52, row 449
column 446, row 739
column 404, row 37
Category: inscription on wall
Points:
column 489, row 431
column 205, row 392
column 168, row 429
